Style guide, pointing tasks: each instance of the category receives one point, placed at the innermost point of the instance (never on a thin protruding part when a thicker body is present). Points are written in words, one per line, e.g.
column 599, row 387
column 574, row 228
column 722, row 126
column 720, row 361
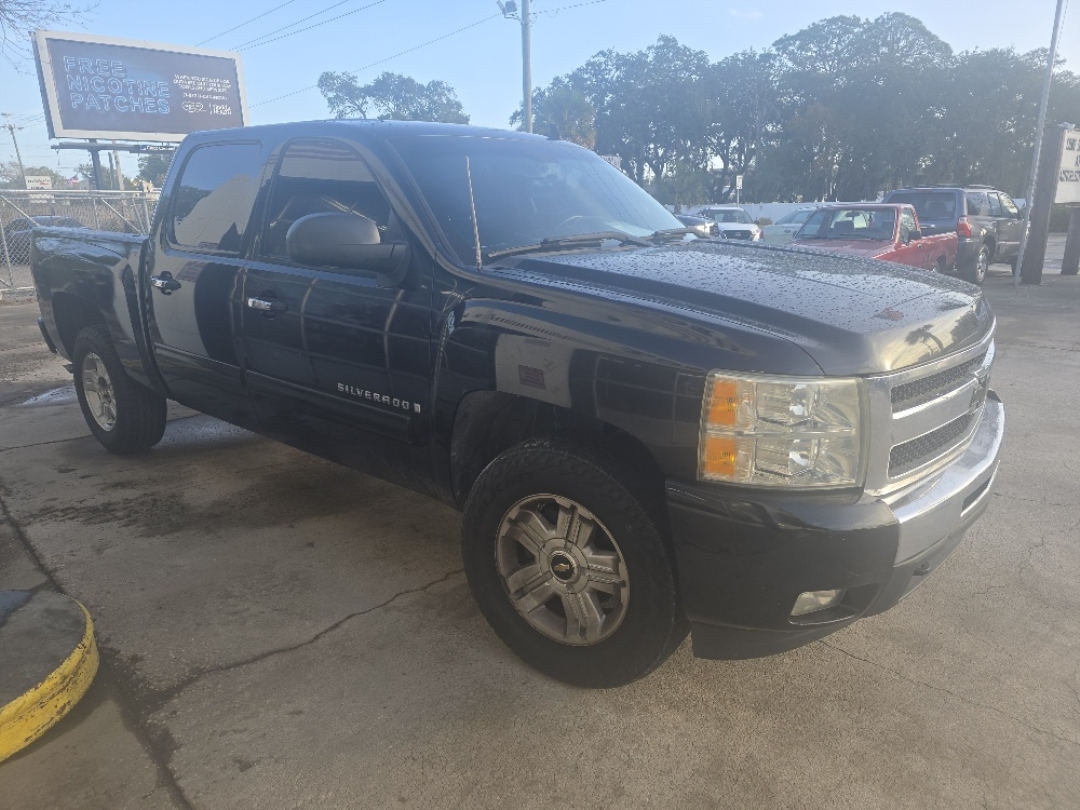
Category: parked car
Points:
column 732, row 222
column 19, row 231
column 987, row 222
column 703, row 226
column 889, row 232
column 648, row 433
column 786, row 227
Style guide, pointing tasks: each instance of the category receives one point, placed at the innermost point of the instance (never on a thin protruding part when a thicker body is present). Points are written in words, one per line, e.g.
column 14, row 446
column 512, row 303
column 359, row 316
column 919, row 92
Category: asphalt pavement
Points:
column 279, row 632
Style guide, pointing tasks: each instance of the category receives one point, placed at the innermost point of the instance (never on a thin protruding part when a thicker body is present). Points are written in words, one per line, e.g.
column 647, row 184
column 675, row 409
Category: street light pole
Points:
column 1043, row 102
column 10, row 127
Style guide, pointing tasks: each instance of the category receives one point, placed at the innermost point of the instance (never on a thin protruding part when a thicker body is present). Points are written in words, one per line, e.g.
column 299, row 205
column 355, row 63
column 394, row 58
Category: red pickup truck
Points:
column 887, row 231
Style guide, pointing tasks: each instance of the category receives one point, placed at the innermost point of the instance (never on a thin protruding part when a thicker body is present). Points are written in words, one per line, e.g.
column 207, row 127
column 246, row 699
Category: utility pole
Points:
column 526, row 64
column 119, row 172
column 1039, row 135
column 509, row 9
column 10, row 127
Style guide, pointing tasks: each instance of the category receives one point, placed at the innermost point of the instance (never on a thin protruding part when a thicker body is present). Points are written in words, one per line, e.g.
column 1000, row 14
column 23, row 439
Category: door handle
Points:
column 271, row 305
column 165, row 282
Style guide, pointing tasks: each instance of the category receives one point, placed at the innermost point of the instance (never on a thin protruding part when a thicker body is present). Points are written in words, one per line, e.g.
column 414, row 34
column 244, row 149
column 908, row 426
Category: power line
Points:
column 247, row 22
column 262, row 40
column 567, row 8
column 422, row 45
column 387, row 59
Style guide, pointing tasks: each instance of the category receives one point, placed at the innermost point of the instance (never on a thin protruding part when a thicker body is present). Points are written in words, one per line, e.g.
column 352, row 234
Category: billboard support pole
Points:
column 95, row 159
column 1070, row 262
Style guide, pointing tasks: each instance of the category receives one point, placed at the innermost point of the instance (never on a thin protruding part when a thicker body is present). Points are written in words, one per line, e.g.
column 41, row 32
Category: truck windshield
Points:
column 526, row 192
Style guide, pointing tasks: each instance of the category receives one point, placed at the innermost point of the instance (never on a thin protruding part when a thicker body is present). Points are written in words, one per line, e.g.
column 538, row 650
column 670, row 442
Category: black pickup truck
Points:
column 648, row 433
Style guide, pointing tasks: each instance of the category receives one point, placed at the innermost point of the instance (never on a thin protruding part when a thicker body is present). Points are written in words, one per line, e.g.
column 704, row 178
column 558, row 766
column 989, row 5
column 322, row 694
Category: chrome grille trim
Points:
column 932, row 419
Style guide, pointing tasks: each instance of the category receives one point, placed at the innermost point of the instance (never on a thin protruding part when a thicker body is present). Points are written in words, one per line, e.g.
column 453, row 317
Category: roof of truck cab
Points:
column 360, row 127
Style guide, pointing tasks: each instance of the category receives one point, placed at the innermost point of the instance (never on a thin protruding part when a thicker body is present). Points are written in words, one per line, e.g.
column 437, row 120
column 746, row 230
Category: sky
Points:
column 423, row 39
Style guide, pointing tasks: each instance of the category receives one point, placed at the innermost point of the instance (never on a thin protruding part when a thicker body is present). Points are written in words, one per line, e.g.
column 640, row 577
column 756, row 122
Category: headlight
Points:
column 781, row 431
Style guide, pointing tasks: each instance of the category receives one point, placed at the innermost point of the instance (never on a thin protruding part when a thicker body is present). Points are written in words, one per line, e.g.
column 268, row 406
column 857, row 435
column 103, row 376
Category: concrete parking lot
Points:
column 279, row 632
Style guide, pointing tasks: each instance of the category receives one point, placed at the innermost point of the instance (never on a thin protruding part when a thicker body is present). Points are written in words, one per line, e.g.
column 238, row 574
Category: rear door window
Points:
column 977, row 204
column 995, row 205
column 214, row 197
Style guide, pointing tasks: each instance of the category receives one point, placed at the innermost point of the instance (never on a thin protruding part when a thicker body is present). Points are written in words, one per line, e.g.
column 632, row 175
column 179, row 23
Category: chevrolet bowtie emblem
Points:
column 562, row 568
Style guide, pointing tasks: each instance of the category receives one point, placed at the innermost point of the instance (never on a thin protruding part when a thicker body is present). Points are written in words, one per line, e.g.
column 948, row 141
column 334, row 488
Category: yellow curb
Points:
column 33, row 713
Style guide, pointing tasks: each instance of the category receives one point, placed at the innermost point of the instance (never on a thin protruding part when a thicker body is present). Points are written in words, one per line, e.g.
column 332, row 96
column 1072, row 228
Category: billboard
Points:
column 1068, row 185
column 100, row 87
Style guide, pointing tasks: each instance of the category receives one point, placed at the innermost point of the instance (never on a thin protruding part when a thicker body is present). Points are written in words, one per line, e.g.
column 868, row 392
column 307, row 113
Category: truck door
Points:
column 915, row 252
column 195, row 276
column 336, row 363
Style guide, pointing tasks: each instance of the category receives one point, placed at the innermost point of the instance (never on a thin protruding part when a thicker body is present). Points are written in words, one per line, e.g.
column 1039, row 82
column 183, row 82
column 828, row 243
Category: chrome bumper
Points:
column 952, row 499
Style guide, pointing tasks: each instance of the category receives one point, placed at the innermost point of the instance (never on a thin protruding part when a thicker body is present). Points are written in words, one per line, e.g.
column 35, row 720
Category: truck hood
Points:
column 867, row 248
column 850, row 315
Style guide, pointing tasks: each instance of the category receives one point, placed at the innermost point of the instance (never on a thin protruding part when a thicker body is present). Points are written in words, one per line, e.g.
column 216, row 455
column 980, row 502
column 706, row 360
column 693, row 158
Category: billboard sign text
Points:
column 1068, row 185
column 100, row 87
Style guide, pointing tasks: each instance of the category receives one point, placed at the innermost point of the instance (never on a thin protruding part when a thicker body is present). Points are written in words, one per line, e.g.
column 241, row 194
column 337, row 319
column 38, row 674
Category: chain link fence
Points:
column 21, row 211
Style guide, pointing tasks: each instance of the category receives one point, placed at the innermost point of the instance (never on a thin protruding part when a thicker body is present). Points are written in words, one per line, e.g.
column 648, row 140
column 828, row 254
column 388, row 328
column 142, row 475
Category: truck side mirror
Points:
column 348, row 242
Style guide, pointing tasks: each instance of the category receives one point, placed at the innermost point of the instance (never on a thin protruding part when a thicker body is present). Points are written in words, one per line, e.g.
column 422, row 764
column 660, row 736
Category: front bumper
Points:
column 743, row 559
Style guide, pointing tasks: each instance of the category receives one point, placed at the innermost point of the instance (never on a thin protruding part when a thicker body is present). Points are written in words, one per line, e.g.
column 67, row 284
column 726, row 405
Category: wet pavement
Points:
column 277, row 631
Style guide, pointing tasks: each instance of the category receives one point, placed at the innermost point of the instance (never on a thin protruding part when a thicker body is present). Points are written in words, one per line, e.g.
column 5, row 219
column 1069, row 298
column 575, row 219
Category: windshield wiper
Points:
column 657, row 236
column 557, row 243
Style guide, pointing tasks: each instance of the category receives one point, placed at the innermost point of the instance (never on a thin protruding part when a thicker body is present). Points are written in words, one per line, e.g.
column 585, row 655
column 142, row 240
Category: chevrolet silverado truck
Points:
column 648, row 434
column 889, row 232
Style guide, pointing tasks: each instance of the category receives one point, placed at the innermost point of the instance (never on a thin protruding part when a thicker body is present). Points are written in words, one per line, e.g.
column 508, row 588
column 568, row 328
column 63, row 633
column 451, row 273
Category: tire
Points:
column 617, row 572
column 125, row 417
column 976, row 274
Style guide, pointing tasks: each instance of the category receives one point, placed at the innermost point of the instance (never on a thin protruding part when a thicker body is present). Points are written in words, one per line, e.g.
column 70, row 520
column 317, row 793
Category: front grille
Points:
column 917, row 392
column 738, row 234
column 925, row 416
column 922, row 449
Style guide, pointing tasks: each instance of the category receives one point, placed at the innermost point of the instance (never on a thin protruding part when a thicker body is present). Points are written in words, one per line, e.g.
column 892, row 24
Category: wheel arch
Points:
column 488, row 423
column 73, row 313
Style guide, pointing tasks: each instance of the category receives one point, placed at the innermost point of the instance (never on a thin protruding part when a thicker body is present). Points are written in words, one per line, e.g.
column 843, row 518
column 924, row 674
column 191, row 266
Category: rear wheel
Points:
column 124, row 417
column 977, row 272
column 567, row 558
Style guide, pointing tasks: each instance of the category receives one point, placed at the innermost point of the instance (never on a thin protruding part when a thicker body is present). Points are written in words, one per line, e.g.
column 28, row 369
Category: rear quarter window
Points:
column 214, row 196
column 929, row 205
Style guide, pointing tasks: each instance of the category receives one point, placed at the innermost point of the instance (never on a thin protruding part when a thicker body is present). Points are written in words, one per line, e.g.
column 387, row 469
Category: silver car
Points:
column 787, row 226
column 732, row 222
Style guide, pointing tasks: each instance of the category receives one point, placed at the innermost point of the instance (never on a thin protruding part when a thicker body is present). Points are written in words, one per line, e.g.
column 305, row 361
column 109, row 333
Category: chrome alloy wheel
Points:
column 562, row 569
column 98, row 390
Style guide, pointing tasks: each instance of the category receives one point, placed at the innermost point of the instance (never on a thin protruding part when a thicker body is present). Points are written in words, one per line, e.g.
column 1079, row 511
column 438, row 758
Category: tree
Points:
column 153, row 166
column 86, row 172
column 684, row 184
column 391, row 97
column 650, row 106
column 562, row 112
column 20, row 18
column 11, row 177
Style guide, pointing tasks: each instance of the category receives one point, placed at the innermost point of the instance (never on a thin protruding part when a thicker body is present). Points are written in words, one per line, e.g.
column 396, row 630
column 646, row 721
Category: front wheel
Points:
column 124, row 417
column 565, row 553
